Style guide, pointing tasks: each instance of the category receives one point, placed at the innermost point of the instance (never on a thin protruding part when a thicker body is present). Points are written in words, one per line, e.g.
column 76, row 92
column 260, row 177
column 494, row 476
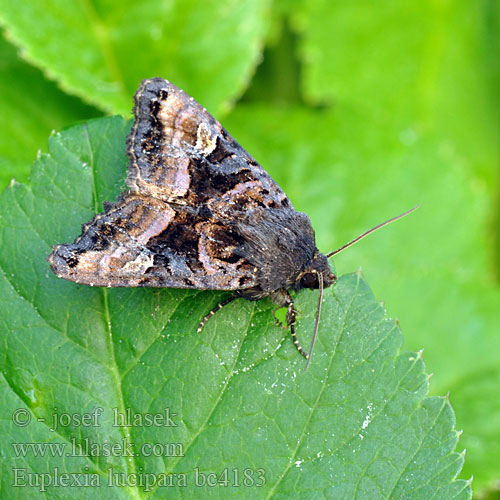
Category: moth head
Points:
column 317, row 275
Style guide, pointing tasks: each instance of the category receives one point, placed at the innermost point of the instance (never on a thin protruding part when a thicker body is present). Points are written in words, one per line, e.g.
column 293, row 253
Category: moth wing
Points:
column 180, row 154
column 142, row 241
column 196, row 199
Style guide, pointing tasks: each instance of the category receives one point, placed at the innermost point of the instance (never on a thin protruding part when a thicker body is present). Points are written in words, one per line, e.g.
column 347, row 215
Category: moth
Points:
column 199, row 213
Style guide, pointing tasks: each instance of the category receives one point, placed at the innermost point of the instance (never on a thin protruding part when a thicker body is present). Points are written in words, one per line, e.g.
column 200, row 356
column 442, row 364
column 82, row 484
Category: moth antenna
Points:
column 318, row 313
column 366, row 233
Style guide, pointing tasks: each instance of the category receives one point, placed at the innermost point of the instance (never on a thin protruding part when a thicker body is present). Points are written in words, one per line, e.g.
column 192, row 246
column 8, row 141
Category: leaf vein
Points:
column 320, row 393
column 217, row 401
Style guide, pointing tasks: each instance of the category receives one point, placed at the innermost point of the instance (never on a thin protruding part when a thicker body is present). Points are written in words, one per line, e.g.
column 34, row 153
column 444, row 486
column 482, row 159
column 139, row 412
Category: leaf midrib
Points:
column 231, row 374
column 125, row 430
column 313, row 409
column 101, row 34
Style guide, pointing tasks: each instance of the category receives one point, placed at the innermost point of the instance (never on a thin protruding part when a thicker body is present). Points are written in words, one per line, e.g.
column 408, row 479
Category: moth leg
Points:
column 291, row 316
column 218, row 307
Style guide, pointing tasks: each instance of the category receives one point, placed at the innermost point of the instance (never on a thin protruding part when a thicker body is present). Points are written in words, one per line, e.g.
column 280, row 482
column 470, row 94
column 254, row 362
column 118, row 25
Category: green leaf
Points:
column 414, row 95
column 101, row 52
column 31, row 108
column 355, row 424
column 422, row 66
column 475, row 396
column 432, row 268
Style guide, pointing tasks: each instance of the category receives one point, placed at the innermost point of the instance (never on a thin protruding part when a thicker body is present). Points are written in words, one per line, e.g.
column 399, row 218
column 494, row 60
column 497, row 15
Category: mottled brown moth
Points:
column 199, row 213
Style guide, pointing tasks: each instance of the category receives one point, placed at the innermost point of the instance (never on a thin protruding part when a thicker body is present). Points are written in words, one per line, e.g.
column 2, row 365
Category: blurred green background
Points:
column 359, row 110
